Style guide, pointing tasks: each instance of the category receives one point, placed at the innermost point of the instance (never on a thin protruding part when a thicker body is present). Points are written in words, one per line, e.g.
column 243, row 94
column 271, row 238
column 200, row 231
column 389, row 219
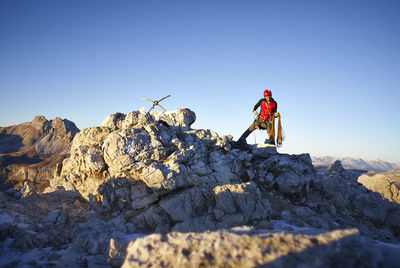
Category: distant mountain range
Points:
column 356, row 163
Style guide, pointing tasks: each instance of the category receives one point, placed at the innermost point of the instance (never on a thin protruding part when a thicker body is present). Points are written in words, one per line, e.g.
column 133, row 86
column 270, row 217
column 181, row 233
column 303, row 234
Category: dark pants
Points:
column 258, row 123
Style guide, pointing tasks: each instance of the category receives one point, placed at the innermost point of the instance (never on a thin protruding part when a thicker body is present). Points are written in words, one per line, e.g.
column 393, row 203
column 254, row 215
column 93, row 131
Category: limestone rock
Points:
column 230, row 248
column 354, row 204
column 123, row 148
column 185, row 205
column 58, row 217
column 225, row 168
column 292, row 174
column 86, row 155
column 263, row 150
column 141, row 195
column 387, row 185
column 368, row 206
column 123, row 193
column 93, row 136
column 196, row 224
column 113, row 121
column 94, row 236
column 27, row 190
column 182, row 118
column 154, row 218
column 72, row 258
column 164, row 178
column 243, row 201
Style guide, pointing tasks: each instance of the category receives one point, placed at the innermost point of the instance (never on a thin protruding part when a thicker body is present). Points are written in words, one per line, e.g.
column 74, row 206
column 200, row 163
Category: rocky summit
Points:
column 148, row 190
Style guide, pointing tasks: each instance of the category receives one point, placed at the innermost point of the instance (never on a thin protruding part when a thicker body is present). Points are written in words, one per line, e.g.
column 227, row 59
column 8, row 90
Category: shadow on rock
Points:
column 10, row 143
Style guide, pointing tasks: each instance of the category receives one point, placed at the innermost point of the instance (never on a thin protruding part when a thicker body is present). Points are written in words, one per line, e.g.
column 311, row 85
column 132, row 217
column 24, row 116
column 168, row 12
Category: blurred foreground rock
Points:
column 243, row 247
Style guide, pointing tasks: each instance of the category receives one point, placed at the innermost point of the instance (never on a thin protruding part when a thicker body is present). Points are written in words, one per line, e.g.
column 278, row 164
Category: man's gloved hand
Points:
column 276, row 114
column 255, row 112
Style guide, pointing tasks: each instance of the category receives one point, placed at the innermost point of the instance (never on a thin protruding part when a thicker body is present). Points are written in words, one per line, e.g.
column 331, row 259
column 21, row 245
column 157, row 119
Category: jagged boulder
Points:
column 388, row 185
column 83, row 169
column 159, row 150
column 199, row 209
column 114, row 121
column 125, row 149
column 185, row 205
column 181, row 118
column 120, row 193
column 238, row 204
column 352, row 200
column 164, row 178
column 104, row 239
column 291, row 174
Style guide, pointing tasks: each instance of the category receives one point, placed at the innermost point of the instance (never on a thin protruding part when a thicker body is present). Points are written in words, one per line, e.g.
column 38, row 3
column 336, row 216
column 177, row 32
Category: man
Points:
column 263, row 121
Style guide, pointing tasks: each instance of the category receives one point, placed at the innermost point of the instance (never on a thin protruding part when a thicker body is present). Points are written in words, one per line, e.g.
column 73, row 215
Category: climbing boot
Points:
column 242, row 138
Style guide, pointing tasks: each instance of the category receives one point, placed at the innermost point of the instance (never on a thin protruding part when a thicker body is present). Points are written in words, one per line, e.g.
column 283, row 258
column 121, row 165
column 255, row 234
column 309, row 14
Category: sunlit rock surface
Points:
column 146, row 189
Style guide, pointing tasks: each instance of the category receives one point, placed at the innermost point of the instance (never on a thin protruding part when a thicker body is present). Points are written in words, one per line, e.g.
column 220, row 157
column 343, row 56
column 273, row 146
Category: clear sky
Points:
column 333, row 66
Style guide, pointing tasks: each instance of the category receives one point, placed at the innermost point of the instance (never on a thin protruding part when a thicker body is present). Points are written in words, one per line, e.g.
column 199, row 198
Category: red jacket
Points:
column 267, row 109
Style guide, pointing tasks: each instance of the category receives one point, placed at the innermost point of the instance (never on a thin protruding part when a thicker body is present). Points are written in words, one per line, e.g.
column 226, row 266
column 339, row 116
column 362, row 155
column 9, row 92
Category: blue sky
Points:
column 332, row 66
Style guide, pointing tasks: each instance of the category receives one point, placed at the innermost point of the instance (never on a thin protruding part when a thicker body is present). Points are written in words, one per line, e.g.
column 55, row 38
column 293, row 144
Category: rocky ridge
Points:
column 30, row 151
column 146, row 182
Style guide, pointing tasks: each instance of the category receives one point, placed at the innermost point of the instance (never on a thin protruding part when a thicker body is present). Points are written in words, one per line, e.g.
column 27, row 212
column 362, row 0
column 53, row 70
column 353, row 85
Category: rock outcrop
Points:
column 156, row 165
column 386, row 184
column 145, row 189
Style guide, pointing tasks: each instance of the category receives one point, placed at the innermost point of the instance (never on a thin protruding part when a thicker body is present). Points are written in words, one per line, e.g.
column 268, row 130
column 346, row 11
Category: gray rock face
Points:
column 263, row 150
column 151, row 173
column 387, row 185
column 123, row 193
column 181, row 118
column 239, row 203
column 185, row 205
column 164, row 178
column 114, row 121
column 354, row 204
column 123, row 148
column 291, row 174
column 58, row 217
column 176, row 178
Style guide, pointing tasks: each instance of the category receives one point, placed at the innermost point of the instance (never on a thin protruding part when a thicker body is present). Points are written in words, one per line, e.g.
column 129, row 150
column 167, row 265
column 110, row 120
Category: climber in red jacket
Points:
column 263, row 121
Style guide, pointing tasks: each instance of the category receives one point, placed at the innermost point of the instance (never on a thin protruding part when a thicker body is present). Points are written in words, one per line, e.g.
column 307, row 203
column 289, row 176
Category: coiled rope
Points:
column 280, row 137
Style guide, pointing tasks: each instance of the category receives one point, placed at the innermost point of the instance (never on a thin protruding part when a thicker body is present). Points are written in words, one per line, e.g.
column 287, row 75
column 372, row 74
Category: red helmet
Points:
column 267, row 92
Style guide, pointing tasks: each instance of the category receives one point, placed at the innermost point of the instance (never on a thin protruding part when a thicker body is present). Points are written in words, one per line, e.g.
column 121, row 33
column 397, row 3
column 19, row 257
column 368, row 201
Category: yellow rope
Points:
column 271, row 132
